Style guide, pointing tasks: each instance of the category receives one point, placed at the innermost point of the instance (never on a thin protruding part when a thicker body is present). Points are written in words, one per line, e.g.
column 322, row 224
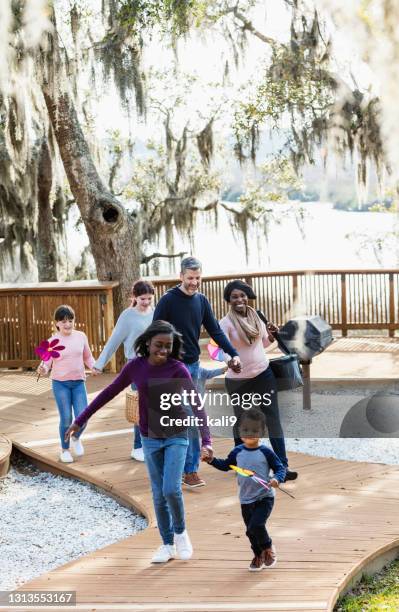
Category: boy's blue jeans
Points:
column 194, row 447
column 136, row 428
column 69, row 394
column 164, row 458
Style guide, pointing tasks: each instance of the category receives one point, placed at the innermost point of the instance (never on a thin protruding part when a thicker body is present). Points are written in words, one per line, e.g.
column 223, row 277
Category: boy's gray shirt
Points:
column 130, row 325
column 260, row 460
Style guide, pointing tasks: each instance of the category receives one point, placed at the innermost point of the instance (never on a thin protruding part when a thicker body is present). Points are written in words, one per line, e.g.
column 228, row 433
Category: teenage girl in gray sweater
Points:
column 132, row 322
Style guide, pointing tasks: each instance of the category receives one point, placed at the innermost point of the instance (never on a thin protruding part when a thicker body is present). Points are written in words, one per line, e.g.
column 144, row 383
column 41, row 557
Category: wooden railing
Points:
column 26, row 316
column 347, row 299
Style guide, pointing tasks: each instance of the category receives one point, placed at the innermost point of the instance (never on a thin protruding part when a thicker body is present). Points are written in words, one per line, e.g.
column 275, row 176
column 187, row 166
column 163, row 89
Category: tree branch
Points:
column 146, row 258
column 209, row 206
column 228, row 208
column 114, row 169
column 248, row 25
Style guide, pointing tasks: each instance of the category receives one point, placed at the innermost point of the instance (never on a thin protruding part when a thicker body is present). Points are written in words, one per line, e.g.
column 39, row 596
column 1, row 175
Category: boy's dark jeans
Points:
column 255, row 516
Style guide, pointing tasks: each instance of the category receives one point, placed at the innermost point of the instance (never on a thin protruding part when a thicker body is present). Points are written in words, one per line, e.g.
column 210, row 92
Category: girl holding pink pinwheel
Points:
column 66, row 353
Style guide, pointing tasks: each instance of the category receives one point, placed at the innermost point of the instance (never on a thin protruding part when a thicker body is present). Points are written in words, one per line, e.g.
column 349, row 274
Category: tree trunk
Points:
column 113, row 234
column 46, row 245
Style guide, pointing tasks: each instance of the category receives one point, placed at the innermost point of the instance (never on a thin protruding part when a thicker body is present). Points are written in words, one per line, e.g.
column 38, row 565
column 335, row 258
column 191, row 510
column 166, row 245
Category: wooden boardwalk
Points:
column 343, row 513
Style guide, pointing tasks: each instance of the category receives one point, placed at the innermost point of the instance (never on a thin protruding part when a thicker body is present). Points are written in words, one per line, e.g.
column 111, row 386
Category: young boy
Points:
column 256, row 501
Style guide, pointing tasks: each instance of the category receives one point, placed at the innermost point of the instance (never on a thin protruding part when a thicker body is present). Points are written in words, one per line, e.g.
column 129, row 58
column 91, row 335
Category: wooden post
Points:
column 294, row 292
column 391, row 307
column 306, row 389
column 109, row 323
column 23, row 327
column 344, row 305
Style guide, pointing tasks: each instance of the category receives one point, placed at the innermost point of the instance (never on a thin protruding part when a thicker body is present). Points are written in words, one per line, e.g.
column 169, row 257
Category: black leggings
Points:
column 245, row 388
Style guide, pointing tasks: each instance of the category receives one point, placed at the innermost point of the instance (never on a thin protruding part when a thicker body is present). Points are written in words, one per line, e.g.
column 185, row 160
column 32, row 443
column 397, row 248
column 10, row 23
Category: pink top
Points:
column 70, row 365
column 252, row 356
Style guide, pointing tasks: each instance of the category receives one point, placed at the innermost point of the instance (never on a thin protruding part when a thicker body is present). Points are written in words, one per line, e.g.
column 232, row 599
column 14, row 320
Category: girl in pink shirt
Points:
column 68, row 377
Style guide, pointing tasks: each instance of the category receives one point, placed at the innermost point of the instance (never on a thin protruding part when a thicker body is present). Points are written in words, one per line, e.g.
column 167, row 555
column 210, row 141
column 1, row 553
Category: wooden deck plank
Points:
column 320, row 535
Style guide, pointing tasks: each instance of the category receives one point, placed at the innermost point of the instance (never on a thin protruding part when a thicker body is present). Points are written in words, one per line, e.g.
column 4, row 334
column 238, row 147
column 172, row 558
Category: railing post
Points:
column 23, row 329
column 344, row 306
column 249, row 281
column 108, row 303
column 294, row 288
column 306, row 389
column 391, row 307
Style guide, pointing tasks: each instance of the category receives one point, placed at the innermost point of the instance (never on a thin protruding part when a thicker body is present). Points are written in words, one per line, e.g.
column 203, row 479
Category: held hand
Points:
column 235, row 364
column 206, row 454
column 271, row 330
column 274, row 483
column 70, row 431
column 95, row 372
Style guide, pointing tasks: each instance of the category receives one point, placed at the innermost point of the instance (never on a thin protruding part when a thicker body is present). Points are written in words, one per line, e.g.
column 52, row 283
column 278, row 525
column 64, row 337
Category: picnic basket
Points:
column 132, row 407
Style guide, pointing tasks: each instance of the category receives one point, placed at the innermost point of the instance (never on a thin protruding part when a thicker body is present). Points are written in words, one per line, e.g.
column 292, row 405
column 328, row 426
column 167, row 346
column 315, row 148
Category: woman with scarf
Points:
column 255, row 384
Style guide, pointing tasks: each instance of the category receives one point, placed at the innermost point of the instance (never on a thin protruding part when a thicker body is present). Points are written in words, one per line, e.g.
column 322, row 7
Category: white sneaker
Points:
column 184, row 547
column 77, row 447
column 165, row 553
column 66, row 457
column 138, row 454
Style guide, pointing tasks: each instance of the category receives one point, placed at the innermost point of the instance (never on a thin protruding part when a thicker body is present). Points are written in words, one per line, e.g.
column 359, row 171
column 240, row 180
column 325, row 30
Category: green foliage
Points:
column 256, row 207
column 173, row 16
column 169, row 199
column 380, row 592
column 296, row 87
column 300, row 89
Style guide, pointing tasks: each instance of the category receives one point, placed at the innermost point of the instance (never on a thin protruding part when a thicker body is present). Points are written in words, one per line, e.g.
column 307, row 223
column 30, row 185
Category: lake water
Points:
column 324, row 239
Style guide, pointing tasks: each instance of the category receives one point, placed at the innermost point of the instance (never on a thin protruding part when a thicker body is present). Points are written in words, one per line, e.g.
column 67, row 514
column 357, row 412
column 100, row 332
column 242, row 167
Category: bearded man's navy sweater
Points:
column 187, row 313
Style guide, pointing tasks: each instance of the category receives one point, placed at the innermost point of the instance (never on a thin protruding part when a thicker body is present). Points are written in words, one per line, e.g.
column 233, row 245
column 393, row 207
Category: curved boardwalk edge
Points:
column 369, row 565
column 5, row 454
column 61, row 469
column 322, row 536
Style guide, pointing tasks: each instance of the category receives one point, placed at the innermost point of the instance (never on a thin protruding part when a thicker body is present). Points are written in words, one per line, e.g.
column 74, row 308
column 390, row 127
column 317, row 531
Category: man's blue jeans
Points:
column 194, row 447
column 164, row 458
column 136, row 428
column 69, row 394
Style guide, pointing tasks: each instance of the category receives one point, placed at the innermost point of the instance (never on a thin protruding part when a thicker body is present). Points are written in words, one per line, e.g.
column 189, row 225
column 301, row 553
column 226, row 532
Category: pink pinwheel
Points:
column 214, row 351
column 49, row 350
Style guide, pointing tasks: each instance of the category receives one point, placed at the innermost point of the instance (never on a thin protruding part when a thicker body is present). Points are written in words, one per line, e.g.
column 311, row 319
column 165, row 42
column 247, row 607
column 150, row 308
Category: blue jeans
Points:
column 136, row 428
column 194, row 447
column 164, row 458
column 69, row 394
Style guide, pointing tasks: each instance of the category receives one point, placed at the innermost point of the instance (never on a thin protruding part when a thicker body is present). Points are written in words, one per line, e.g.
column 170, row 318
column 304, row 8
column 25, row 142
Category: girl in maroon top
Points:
column 157, row 371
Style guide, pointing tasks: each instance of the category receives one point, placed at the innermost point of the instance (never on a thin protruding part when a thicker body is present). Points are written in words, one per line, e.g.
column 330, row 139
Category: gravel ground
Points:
column 48, row 520
column 350, row 449
column 339, row 424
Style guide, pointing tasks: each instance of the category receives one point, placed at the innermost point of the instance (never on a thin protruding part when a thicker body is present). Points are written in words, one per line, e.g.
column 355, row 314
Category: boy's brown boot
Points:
column 269, row 557
column 256, row 564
